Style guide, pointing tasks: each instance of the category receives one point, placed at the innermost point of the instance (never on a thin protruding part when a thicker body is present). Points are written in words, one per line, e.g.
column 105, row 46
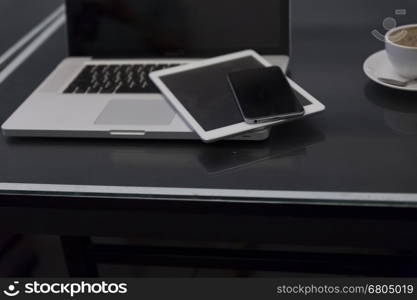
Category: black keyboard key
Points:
column 94, row 88
column 82, row 88
column 138, row 68
column 108, row 88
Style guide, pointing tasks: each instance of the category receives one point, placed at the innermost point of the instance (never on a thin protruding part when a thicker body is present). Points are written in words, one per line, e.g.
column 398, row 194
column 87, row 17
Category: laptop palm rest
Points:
column 133, row 112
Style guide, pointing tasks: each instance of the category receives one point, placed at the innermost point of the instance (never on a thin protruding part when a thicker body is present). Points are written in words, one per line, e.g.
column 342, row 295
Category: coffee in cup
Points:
column 401, row 46
column 405, row 37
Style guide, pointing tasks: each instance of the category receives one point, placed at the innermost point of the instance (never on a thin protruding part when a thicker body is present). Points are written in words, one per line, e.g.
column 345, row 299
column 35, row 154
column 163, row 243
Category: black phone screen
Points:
column 265, row 93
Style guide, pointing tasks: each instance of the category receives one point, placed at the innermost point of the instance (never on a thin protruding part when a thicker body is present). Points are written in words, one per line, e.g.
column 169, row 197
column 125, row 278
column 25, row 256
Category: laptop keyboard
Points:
column 116, row 79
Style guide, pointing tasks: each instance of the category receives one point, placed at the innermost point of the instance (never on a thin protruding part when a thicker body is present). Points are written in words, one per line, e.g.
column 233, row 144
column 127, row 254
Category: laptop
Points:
column 102, row 90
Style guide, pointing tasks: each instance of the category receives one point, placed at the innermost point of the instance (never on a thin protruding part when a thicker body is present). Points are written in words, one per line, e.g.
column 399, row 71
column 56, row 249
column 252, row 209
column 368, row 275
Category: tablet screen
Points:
column 215, row 107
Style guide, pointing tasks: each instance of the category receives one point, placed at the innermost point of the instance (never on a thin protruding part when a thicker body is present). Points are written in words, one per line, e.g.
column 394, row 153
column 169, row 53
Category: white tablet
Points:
column 214, row 114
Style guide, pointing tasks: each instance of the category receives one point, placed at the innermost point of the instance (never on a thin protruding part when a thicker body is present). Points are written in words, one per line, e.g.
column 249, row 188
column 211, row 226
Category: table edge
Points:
column 214, row 195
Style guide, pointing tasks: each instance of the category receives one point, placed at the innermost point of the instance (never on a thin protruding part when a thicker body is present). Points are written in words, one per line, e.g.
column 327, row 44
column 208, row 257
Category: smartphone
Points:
column 265, row 95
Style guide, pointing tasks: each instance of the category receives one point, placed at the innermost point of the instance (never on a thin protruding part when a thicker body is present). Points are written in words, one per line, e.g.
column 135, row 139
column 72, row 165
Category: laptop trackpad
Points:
column 134, row 112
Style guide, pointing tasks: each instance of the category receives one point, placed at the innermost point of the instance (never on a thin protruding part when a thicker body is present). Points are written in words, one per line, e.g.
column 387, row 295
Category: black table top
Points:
column 19, row 16
column 363, row 149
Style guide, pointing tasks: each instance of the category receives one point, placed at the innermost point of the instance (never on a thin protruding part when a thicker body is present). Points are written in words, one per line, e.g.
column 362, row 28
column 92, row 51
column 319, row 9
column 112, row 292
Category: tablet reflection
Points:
column 288, row 144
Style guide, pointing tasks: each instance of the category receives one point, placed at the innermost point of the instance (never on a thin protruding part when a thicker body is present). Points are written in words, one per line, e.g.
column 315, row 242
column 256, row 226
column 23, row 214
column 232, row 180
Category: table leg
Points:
column 79, row 256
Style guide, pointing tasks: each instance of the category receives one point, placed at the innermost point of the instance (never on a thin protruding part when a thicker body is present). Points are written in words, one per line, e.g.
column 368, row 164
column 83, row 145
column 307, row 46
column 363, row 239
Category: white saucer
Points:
column 378, row 65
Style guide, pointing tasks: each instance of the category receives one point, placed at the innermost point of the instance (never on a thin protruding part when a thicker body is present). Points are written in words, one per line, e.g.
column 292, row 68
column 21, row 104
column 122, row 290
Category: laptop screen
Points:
column 176, row 28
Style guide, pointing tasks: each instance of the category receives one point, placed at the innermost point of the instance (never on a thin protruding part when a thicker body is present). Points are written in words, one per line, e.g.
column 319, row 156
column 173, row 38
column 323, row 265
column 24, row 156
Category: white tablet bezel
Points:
column 216, row 134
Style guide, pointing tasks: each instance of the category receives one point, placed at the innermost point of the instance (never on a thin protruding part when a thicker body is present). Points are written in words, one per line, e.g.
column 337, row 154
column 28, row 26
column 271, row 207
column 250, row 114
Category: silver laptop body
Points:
column 57, row 109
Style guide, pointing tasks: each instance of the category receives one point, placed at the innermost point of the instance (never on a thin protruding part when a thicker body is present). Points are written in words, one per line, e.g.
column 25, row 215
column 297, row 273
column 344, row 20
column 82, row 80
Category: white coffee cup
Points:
column 403, row 58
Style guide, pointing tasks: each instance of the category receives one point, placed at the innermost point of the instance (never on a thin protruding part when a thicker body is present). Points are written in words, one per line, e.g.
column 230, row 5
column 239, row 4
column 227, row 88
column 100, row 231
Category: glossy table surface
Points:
column 362, row 149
